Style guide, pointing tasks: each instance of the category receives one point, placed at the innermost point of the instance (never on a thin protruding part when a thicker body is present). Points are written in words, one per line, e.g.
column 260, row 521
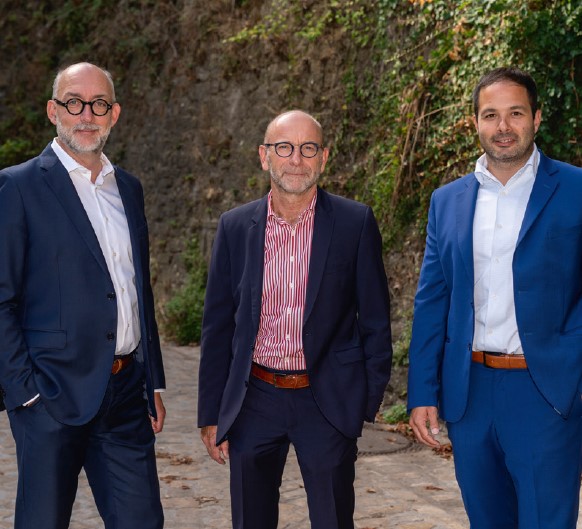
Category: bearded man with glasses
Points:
column 296, row 344
column 78, row 337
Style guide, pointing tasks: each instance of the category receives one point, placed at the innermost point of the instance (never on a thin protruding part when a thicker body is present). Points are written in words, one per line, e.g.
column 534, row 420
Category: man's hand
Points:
column 158, row 424
column 419, row 419
column 218, row 453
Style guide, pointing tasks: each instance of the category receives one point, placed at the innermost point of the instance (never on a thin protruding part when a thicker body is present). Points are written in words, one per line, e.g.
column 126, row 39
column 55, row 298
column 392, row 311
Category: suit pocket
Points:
column 570, row 232
column 45, row 339
column 348, row 356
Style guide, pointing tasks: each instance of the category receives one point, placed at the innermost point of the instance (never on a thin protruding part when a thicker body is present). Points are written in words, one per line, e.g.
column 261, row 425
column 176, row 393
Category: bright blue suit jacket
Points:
column 547, row 283
column 346, row 322
column 58, row 312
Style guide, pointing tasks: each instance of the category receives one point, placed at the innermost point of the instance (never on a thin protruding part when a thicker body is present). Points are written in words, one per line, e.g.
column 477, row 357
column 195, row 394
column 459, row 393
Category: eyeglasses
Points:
column 284, row 149
column 75, row 106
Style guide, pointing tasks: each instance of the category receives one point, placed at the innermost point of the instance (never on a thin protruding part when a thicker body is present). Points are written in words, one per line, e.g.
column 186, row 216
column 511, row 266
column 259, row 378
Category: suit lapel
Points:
column 466, row 202
column 322, row 232
column 543, row 188
column 256, row 263
column 60, row 183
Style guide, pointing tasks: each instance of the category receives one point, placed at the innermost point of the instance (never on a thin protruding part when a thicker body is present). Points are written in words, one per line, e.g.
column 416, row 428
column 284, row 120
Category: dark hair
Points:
column 514, row 75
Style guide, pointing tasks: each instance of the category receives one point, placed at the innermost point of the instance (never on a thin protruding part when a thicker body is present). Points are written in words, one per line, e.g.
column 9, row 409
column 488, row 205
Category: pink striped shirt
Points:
column 279, row 343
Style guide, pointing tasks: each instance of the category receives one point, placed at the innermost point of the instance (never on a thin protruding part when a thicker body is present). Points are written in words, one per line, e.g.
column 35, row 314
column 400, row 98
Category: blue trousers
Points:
column 517, row 461
column 271, row 418
column 116, row 449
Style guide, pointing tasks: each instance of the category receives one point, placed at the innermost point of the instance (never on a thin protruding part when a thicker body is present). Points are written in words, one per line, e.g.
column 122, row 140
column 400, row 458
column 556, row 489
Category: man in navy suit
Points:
column 78, row 336
column 296, row 341
column 497, row 334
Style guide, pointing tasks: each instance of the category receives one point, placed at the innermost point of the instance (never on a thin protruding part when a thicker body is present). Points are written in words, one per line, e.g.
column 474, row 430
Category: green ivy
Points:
column 395, row 414
column 420, row 128
column 183, row 313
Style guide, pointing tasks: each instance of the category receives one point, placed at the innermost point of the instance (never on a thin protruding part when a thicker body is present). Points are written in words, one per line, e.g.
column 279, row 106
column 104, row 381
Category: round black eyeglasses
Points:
column 284, row 149
column 75, row 106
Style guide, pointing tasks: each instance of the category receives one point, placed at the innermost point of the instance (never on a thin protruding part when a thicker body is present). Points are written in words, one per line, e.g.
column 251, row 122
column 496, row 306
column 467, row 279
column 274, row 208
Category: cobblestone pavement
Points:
column 398, row 483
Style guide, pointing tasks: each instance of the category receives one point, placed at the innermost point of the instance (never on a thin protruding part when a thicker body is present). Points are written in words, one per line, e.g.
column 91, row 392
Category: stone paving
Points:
column 398, row 483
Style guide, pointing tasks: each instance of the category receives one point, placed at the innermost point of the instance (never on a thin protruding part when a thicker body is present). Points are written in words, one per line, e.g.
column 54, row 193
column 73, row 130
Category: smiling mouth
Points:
column 504, row 141
column 86, row 129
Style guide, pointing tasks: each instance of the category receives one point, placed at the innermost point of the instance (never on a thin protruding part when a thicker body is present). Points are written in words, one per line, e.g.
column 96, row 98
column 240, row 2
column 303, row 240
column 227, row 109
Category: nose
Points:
column 87, row 113
column 296, row 157
column 503, row 125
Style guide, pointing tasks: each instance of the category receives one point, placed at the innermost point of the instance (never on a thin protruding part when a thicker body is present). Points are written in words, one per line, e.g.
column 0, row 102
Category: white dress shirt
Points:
column 104, row 208
column 498, row 218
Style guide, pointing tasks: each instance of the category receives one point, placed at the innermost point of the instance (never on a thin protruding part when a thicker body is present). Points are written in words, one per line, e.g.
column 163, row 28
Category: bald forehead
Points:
column 293, row 121
column 84, row 74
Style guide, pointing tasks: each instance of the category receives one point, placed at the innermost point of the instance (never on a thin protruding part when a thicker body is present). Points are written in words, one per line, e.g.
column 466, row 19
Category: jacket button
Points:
column 110, row 335
column 111, row 295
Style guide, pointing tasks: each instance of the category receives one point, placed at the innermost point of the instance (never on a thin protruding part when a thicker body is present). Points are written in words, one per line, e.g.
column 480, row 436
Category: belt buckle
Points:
column 117, row 366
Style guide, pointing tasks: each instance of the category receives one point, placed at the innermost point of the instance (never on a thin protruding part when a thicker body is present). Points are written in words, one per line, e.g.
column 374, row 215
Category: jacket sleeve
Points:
column 218, row 328
column 373, row 305
column 16, row 377
column 154, row 349
column 431, row 308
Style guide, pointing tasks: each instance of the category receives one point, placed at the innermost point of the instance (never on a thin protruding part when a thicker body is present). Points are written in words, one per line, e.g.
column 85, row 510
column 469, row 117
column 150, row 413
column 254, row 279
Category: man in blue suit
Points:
column 296, row 341
column 78, row 336
column 497, row 334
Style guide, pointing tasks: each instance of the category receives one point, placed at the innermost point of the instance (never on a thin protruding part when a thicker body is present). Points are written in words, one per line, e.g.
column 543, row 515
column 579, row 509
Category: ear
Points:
column 263, row 157
column 324, row 157
column 51, row 111
column 475, row 122
column 537, row 119
column 115, row 112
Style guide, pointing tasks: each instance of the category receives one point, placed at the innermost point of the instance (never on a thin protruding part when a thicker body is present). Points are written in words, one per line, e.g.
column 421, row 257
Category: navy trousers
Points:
column 517, row 461
column 116, row 449
column 271, row 418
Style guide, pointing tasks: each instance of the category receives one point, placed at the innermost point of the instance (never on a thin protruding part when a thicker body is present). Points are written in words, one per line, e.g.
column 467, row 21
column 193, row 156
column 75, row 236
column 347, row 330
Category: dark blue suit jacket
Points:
column 58, row 313
column 547, row 284
column 346, row 323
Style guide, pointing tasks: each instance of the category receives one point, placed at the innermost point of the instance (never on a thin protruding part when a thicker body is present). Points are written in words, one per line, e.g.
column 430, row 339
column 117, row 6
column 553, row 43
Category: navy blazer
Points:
column 346, row 321
column 547, row 289
column 58, row 313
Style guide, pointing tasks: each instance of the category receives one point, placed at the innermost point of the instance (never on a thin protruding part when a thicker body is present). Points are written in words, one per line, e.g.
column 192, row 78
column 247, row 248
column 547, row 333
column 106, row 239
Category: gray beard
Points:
column 68, row 139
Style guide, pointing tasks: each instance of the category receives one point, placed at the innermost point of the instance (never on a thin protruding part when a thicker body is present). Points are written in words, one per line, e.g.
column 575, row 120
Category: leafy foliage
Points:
column 423, row 99
column 395, row 414
column 183, row 314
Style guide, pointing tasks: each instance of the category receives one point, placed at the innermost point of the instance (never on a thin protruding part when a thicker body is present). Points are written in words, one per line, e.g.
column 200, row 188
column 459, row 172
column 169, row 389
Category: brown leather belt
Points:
column 499, row 360
column 280, row 380
column 121, row 362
